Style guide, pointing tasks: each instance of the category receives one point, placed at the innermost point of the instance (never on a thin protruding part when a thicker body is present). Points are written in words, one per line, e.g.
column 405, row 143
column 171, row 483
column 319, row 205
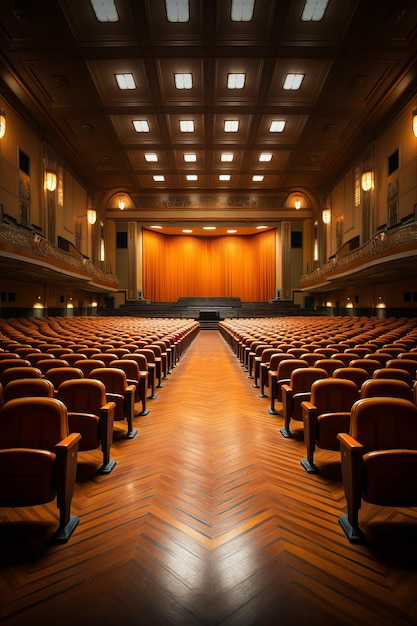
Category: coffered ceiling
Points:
column 58, row 63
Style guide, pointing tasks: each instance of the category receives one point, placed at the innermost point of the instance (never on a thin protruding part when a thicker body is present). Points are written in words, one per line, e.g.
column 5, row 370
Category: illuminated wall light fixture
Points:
column 414, row 123
column 121, row 204
column 326, row 216
column 50, row 180
column 297, row 204
column 367, row 181
column 2, row 124
column 91, row 216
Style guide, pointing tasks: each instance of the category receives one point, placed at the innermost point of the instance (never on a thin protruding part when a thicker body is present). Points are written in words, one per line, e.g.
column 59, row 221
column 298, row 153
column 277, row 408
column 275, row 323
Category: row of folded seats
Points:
column 355, row 393
column 60, row 396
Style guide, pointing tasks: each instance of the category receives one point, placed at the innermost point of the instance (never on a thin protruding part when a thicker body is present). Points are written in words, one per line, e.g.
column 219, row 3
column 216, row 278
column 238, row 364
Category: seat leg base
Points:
column 355, row 535
column 142, row 413
column 64, row 533
column 107, row 468
column 309, row 467
column 131, row 434
column 273, row 411
column 286, row 433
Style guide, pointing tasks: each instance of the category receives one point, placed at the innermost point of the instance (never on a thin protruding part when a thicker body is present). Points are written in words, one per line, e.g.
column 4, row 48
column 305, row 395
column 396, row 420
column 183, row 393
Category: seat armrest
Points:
column 66, row 470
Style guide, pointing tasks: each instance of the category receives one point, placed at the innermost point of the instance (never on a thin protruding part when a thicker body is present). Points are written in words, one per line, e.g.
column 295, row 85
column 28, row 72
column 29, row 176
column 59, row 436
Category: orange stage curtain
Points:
column 181, row 266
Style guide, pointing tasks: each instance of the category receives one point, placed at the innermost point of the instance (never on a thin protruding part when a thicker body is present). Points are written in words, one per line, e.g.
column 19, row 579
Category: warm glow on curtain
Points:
column 181, row 266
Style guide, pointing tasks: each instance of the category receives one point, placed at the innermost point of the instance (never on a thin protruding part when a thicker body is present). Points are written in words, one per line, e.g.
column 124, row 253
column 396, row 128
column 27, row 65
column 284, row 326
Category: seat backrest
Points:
column 90, row 352
column 86, row 365
column 140, row 359
column 35, row 357
column 386, row 387
column 356, row 374
column 114, row 379
column 33, row 423
column 277, row 358
column 329, row 365
column 370, row 365
column 57, row 375
column 106, row 357
column 408, row 355
column 404, row 364
column 302, row 378
column 156, row 349
column 119, row 352
column 287, row 366
column 149, row 354
column 27, row 387
column 72, row 357
column 393, row 372
column 333, row 395
column 384, row 423
column 84, row 395
column 7, row 363
column 8, row 355
column 345, row 357
column 129, row 366
column 16, row 373
column 267, row 354
column 312, row 357
column 46, row 364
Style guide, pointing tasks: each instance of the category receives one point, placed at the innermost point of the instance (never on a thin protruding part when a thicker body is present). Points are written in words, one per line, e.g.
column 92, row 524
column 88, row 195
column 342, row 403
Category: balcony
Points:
column 389, row 256
column 26, row 255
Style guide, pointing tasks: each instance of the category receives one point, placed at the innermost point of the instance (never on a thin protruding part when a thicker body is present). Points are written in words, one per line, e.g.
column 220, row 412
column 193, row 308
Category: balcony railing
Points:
column 32, row 248
column 381, row 247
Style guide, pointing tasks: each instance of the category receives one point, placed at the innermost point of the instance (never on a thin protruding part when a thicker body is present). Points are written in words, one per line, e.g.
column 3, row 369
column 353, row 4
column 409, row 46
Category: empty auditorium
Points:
column 208, row 312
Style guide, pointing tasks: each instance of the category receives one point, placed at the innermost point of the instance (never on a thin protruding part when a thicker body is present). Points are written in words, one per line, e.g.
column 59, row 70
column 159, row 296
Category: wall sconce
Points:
column 297, row 204
column 91, row 216
column 414, row 123
column 2, row 124
column 367, row 181
column 326, row 216
column 121, row 204
column 50, row 180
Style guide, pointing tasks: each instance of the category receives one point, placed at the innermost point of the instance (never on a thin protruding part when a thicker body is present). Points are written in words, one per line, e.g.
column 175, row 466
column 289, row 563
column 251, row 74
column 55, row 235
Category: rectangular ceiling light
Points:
column 277, row 126
column 186, row 126
column 224, row 177
column 190, row 157
column 141, row 126
column 242, row 10
column 231, row 126
column 191, row 176
column 151, row 157
column 293, row 81
column 158, row 178
column 257, row 178
column 183, row 81
column 314, row 10
column 236, row 81
column 177, row 10
column 265, row 157
column 226, row 157
column 105, row 10
column 125, row 81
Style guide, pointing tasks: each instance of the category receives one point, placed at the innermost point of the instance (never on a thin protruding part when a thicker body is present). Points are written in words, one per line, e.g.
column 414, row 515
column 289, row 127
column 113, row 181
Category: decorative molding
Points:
column 209, row 202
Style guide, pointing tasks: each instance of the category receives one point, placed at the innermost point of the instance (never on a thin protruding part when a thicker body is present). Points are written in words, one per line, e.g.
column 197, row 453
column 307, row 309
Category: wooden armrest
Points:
column 69, row 442
column 308, row 406
column 348, row 442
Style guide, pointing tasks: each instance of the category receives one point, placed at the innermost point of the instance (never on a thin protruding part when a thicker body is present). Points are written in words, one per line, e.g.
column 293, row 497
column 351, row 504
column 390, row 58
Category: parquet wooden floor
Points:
column 209, row 519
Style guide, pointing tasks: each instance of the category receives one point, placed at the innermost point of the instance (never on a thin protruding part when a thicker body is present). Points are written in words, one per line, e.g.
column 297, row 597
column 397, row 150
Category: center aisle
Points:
column 208, row 436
